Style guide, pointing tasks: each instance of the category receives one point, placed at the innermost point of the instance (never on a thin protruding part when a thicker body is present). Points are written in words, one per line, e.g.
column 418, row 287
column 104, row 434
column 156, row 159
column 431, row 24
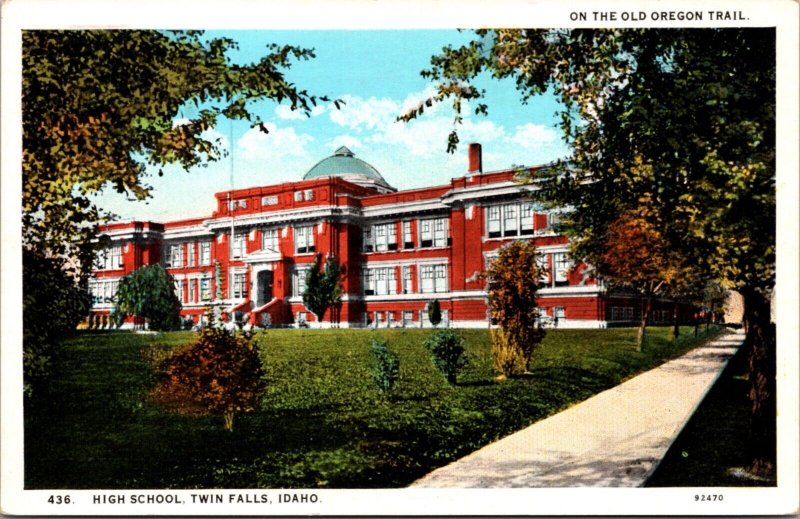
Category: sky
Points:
column 377, row 74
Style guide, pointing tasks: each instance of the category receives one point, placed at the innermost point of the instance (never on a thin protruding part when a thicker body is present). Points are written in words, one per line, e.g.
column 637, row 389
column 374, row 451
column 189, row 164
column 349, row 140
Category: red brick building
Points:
column 398, row 249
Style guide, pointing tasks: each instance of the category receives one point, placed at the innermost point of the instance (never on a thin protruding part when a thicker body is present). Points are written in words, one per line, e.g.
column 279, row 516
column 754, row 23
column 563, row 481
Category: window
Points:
column 299, row 281
column 408, row 236
column 302, row 317
column 541, row 260
column 433, row 278
column 493, row 221
column 558, row 312
column 380, row 237
column 242, row 204
column 269, row 200
column 380, row 281
column 238, row 249
column 205, row 289
column 561, row 267
column 191, row 254
column 509, row 220
column 179, row 290
column 407, row 280
column 298, row 196
column 175, row 255
column 304, row 239
column 269, row 239
column 192, row 290
column 108, row 259
column 103, row 292
column 239, row 286
column 408, row 318
column 205, row 253
column 309, row 194
column 433, row 233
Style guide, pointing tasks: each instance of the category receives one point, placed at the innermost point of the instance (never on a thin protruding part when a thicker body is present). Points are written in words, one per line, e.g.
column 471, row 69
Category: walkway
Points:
column 613, row 439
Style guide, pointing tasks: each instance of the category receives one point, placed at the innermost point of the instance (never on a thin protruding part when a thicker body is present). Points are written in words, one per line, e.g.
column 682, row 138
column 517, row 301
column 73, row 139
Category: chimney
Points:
column 475, row 161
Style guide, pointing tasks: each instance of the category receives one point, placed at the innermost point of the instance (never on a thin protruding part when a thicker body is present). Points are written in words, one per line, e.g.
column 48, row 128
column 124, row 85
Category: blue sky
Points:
column 377, row 74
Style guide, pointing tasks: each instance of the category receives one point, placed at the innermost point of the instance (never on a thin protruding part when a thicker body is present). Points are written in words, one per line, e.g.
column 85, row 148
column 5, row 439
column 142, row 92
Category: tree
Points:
column 434, row 312
column 100, row 105
column 514, row 278
column 52, row 306
column 148, row 293
column 386, row 369
column 220, row 373
column 697, row 109
column 323, row 287
column 447, row 353
column 635, row 256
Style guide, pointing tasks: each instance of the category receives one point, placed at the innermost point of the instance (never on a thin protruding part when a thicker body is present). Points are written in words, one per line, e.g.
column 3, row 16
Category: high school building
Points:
column 398, row 250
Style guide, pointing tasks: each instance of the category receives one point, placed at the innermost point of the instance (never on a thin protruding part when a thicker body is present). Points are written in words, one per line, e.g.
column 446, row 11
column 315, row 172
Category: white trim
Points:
column 394, row 208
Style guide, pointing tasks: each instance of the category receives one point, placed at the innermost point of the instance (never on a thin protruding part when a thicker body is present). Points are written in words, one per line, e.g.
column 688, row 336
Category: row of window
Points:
column 109, row 258
column 199, row 289
column 103, row 292
column 197, row 254
column 383, row 280
column 518, row 219
column 432, row 232
column 403, row 318
column 306, row 195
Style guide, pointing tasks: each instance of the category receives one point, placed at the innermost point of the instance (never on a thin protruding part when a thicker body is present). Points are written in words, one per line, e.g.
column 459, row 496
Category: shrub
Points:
column 220, row 373
column 386, row 369
column 434, row 312
column 447, row 353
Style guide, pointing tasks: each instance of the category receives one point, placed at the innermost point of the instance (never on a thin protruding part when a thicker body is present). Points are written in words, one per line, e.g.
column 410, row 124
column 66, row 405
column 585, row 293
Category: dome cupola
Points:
column 345, row 165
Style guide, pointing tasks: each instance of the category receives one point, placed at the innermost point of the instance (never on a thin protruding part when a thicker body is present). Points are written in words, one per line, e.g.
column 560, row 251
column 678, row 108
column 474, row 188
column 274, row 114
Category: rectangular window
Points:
column 269, row 200
column 561, row 267
column 493, row 221
column 440, row 278
column 433, row 278
column 367, row 282
column 392, row 281
column 299, row 281
column 205, row 253
column 510, row 222
column 541, row 260
column 176, row 255
column 191, row 254
column 205, row 289
column 304, row 239
column 408, row 236
column 425, row 233
column 298, row 196
column 179, row 290
column 369, row 244
column 269, row 239
column 440, row 232
column 391, row 236
column 238, row 245
column 381, row 287
column 239, row 286
column 558, row 312
column 407, row 280
column 242, row 204
column 380, row 237
column 192, row 290
column 426, row 279
column 526, row 220
column 408, row 318
column 309, row 194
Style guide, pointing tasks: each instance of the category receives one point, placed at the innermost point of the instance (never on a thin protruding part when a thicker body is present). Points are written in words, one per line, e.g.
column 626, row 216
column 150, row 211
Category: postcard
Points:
column 386, row 258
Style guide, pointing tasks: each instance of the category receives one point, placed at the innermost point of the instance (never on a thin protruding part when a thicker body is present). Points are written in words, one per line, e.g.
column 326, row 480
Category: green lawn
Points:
column 322, row 422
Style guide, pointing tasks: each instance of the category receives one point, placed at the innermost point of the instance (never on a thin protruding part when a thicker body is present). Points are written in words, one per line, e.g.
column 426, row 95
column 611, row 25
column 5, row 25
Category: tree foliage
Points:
column 386, row 368
column 447, row 353
column 100, row 105
column 148, row 293
column 220, row 374
column 434, row 312
column 514, row 278
column 682, row 121
column 323, row 286
column 52, row 306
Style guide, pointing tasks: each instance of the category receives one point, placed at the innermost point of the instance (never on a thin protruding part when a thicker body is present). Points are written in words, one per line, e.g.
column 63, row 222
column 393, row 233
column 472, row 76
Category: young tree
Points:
column 635, row 256
column 148, row 293
column 221, row 374
column 434, row 312
column 323, row 287
column 447, row 353
column 697, row 107
column 386, row 369
column 514, row 277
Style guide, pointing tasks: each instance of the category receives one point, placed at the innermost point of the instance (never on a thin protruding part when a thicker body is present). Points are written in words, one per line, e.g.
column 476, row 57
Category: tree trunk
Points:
column 760, row 341
column 646, row 308
column 676, row 325
column 228, row 417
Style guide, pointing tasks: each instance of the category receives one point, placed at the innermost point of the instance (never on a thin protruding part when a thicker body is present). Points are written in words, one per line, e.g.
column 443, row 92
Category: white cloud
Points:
column 278, row 143
column 344, row 140
column 534, row 136
column 361, row 114
column 285, row 112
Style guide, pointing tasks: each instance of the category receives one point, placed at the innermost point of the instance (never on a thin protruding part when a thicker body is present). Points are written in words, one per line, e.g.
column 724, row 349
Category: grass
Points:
column 322, row 423
column 715, row 439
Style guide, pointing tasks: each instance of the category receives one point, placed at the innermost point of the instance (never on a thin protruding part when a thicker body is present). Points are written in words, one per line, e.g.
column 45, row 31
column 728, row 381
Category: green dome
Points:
column 343, row 163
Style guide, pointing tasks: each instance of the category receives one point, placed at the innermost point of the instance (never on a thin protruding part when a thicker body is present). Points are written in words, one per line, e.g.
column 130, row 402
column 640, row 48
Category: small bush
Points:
column 386, row 369
column 447, row 353
column 434, row 312
column 221, row 374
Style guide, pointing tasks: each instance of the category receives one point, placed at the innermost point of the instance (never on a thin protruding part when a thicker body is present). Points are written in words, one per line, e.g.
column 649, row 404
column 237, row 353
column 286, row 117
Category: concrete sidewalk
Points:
column 614, row 439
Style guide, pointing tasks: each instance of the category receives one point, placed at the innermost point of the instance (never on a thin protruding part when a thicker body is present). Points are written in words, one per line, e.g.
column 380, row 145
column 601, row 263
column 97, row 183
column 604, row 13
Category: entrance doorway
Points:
column 263, row 287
